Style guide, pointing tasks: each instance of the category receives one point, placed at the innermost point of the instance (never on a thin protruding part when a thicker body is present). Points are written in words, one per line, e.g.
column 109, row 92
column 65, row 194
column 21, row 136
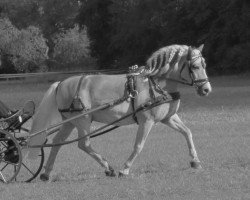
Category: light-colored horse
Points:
column 167, row 68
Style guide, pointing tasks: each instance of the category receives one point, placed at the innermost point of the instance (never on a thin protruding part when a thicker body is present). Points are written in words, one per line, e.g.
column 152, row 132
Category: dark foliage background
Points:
column 126, row 32
column 120, row 33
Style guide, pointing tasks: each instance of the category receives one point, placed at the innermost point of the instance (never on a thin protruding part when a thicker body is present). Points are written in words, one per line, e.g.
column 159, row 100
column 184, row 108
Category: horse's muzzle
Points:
column 204, row 89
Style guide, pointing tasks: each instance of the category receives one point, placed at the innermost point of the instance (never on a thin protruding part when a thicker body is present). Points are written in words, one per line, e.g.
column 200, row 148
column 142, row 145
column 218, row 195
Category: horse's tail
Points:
column 46, row 114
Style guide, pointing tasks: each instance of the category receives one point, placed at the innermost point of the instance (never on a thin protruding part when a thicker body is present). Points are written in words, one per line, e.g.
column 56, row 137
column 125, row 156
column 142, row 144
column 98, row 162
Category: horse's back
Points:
column 98, row 88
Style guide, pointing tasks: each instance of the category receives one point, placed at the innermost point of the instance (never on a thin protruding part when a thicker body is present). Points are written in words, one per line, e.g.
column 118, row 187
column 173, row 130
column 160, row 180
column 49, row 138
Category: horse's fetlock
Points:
column 138, row 148
column 127, row 165
column 188, row 131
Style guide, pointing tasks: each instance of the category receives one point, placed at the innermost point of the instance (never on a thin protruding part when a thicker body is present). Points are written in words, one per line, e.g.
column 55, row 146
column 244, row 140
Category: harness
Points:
column 190, row 59
column 132, row 93
column 76, row 104
column 130, row 86
column 153, row 86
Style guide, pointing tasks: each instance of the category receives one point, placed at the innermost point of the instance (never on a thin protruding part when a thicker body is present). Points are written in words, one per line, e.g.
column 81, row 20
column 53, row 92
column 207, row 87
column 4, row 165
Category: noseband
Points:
column 199, row 82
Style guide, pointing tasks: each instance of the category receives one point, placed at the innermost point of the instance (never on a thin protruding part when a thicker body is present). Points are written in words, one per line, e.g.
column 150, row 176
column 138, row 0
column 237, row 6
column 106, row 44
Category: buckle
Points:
column 133, row 94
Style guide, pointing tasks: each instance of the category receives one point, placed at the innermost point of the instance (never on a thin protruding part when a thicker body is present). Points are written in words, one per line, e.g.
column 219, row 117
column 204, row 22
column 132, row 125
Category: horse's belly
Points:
column 165, row 111
column 115, row 113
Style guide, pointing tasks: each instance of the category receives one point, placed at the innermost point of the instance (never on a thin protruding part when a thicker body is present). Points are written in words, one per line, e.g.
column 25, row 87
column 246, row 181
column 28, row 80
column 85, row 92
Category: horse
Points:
column 164, row 70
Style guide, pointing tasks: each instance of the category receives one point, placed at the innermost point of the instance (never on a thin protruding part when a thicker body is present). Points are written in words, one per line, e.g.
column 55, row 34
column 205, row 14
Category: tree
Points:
column 72, row 48
column 126, row 32
column 96, row 16
column 50, row 16
column 25, row 49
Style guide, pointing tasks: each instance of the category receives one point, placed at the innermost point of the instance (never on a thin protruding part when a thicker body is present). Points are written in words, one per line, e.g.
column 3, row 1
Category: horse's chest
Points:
column 164, row 111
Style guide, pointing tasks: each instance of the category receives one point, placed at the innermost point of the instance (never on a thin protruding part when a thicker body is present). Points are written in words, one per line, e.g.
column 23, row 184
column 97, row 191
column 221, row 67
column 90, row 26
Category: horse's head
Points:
column 193, row 71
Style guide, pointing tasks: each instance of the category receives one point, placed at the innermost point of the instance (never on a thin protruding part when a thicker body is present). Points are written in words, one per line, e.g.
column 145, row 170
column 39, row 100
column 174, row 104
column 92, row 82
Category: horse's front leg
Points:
column 142, row 133
column 176, row 123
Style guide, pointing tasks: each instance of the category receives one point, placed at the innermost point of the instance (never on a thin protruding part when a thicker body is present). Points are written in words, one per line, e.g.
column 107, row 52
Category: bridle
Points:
column 194, row 82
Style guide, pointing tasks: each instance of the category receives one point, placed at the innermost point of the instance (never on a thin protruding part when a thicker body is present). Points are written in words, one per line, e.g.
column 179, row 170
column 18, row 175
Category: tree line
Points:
column 120, row 33
column 42, row 35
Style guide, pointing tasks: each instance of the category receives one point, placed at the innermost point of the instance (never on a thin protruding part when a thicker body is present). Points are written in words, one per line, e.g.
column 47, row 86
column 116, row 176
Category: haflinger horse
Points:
column 164, row 71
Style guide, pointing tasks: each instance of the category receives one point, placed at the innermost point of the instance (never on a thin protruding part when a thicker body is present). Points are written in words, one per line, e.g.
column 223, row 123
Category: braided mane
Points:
column 160, row 58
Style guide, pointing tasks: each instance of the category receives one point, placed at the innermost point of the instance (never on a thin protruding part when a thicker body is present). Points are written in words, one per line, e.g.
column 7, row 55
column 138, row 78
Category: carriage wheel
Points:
column 30, row 168
column 13, row 167
column 10, row 157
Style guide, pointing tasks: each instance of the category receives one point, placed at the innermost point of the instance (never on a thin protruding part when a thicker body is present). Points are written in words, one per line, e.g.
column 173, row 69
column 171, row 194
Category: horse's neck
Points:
column 165, row 84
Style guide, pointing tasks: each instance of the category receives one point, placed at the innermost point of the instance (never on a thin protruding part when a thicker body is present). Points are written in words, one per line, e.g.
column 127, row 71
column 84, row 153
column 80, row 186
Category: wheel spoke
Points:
column 3, row 151
column 4, row 180
column 15, row 171
column 28, row 169
column 3, row 143
column 4, row 167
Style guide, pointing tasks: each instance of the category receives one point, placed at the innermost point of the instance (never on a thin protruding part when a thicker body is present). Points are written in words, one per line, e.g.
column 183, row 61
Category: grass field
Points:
column 221, row 131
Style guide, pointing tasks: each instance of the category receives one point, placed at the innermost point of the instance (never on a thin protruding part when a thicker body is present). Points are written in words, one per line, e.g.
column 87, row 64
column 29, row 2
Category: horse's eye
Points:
column 195, row 67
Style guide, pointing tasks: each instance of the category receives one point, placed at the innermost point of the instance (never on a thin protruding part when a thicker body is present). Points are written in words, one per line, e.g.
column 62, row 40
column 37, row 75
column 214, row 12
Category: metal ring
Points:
column 133, row 94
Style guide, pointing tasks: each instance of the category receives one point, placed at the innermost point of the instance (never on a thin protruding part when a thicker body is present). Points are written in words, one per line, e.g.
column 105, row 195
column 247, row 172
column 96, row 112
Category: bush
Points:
column 26, row 49
column 71, row 47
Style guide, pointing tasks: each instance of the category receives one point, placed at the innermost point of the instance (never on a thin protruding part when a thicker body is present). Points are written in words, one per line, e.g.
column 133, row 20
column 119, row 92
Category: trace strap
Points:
column 102, row 107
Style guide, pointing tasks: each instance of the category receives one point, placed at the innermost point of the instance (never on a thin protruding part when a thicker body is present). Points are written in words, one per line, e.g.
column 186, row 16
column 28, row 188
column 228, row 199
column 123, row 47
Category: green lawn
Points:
column 221, row 131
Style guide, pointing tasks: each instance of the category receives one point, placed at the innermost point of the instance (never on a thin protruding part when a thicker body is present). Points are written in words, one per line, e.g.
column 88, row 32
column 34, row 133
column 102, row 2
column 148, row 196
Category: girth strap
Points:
column 76, row 104
column 132, row 93
column 175, row 95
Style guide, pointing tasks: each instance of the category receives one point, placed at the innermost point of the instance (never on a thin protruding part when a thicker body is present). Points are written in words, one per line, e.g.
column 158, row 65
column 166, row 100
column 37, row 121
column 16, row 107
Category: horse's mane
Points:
column 166, row 55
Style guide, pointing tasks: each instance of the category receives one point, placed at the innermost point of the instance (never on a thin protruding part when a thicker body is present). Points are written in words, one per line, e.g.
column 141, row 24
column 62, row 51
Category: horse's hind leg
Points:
column 83, row 127
column 61, row 136
column 176, row 123
column 142, row 133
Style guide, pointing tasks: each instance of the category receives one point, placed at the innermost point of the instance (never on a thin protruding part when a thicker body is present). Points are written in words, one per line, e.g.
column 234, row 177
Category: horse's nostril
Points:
column 206, row 90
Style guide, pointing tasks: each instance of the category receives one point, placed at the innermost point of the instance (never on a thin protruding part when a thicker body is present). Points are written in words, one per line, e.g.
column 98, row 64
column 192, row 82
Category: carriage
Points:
column 12, row 139
column 140, row 96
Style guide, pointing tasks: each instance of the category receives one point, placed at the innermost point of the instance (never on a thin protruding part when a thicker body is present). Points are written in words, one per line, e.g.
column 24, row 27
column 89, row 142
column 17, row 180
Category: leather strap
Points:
column 76, row 104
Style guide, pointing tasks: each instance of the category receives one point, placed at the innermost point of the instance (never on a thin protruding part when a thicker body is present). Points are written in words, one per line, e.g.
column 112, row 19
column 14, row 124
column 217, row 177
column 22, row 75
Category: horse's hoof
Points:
column 44, row 177
column 110, row 172
column 195, row 165
column 122, row 175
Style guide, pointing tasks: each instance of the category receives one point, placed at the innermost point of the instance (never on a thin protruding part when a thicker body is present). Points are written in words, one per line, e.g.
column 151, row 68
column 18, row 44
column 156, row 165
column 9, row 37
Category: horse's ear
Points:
column 200, row 47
